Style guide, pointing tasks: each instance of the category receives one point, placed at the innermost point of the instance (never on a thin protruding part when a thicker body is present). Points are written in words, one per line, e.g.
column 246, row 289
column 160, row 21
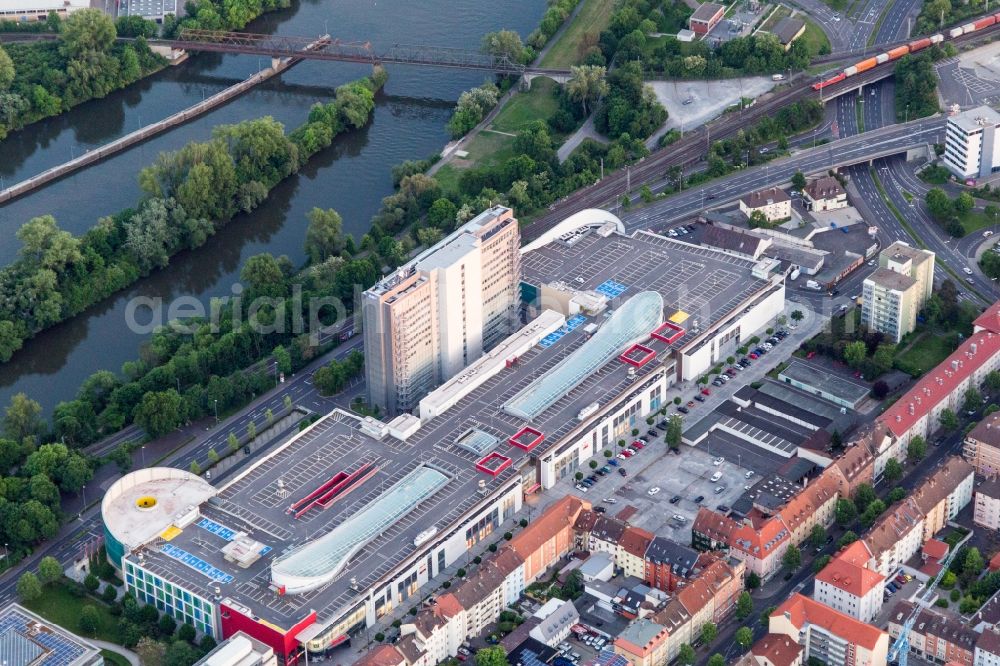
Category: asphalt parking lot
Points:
column 688, row 475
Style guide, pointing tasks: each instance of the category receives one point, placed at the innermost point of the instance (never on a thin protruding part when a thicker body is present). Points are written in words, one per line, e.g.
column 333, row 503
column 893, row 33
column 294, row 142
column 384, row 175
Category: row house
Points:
column 982, row 446
column 643, row 643
column 773, row 650
column 712, row 530
column 944, row 493
column 605, row 535
column 676, row 622
column 827, row 635
column 896, row 536
column 761, row 548
column 987, row 507
column 631, row 553
column 814, row 505
column 918, row 411
column 987, row 652
column 850, row 583
column 548, row 537
column 668, row 564
column 483, row 595
column 935, row 637
column 435, row 633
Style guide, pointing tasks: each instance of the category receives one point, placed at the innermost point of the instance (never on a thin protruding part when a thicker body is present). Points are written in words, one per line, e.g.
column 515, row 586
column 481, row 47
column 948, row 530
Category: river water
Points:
column 351, row 176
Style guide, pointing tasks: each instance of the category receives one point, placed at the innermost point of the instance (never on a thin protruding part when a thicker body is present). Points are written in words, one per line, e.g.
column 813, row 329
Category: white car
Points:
column 610, row 500
column 716, row 476
column 582, row 488
column 718, row 461
column 968, row 271
column 679, row 518
column 748, row 474
column 987, row 233
column 653, row 490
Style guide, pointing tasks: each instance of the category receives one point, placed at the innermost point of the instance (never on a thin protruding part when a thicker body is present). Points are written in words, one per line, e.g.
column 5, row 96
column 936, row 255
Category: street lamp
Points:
column 142, row 451
column 215, row 403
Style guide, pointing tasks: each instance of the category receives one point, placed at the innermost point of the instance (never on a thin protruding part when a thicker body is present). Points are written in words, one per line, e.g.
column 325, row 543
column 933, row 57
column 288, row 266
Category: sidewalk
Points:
column 132, row 657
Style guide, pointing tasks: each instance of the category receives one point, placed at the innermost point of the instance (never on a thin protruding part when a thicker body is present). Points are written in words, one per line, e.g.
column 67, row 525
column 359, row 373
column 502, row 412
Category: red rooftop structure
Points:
column 526, row 438
column 493, row 464
column 668, row 332
column 637, row 355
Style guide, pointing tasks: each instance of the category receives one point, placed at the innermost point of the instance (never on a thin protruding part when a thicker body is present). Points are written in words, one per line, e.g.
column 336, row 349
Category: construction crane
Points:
column 900, row 650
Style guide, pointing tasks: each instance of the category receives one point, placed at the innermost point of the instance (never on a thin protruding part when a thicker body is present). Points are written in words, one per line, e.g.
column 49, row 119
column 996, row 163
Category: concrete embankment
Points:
column 118, row 145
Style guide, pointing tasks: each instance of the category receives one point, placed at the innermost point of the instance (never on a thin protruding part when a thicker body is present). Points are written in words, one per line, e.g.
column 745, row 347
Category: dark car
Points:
column 675, row 499
column 662, row 424
column 593, row 478
column 600, row 509
column 606, row 469
column 601, row 472
column 652, row 433
column 682, row 409
column 700, row 398
column 623, row 471
column 699, row 499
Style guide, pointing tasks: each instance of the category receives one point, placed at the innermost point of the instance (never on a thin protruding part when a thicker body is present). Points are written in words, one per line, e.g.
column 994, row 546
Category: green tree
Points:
column 820, row 563
column 22, row 418
column 28, row 588
column 252, row 431
column 587, row 84
column 846, row 512
column 186, row 633
column 917, row 448
column 441, row 214
column 708, row 633
column 166, row 625
column 798, row 181
column 893, row 470
column 744, row 637
column 233, row 443
column 753, row 581
column 262, row 276
column 744, row 606
column 938, row 203
column 491, row 656
column 6, row 70
column 973, row 399
column 194, row 467
column 848, row 538
column 817, row 536
column 86, row 32
column 716, row 660
column 973, row 564
column 992, row 380
column 947, row 420
column 213, row 455
column 686, row 655
column 675, row 430
column 91, row 582
column 758, row 220
column 792, row 559
column 151, row 651
column 895, row 495
column 324, row 235
column 159, row 412
column 282, row 359
column 797, row 315
column 864, row 495
column 49, row 570
column 871, row 513
column 855, row 353
column 504, row 44
column 89, row 621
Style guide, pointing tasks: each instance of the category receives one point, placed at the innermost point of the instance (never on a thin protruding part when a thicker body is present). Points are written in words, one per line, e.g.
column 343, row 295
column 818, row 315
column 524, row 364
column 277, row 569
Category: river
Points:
column 351, row 176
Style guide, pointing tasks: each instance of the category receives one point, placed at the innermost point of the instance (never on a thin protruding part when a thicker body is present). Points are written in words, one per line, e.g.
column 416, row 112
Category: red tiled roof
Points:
column 989, row 320
column 562, row 513
column 802, row 610
column 383, row 655
column 937, row 384
column 849, row 571
column 635, row 541
column 695, row 596
column 761, row 542
column 935, row 549
column 893, row 526
column 778, row 649
column 449, row 605
column 806, row 503
column 713, row 525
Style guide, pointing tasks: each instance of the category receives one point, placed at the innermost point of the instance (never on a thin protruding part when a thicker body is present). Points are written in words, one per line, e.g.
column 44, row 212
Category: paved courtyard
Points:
column 970, row 79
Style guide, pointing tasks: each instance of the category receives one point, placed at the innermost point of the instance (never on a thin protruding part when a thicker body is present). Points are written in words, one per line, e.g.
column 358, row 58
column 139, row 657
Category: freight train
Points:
column 912, row 47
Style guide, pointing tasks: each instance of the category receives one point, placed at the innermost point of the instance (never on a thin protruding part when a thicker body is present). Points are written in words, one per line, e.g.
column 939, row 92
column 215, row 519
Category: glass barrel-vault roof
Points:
column 316, row 563
column 631, row 322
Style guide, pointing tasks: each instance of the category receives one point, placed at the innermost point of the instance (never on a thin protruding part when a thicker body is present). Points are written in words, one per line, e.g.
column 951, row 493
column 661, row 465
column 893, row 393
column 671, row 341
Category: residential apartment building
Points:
column 643, row 643
column 668, row 564
column 775, row 650
column 896, row 536
column 824, row 193
column 986, row 511
column 856, row 465
column 761, row 548
column 943, row 494
column 631, row 553
column 829, row 635
column 814, row 505
column 987, row 652
column 936, row 637
column 918, row 411
column 850, row 584
column 676, row 622
column 548, row 537
column 971, row 148
column 773, row 202
column 483, row 595
column 982, row 446
column 896, row 291
column 440, row 311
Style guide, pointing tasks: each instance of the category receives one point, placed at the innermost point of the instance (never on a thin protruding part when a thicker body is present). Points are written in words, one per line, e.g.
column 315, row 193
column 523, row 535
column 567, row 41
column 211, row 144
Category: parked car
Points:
column 718, row 461
column 610, row 500
column 606, row 469
column 690, row 404
column 653, row 491
column 699, row 499
column 719, row 490
column 679, row 518
column 748, row 474
column 682, row 409
column 716, row 476
column 623, row 471
column 600, row 509
column 706, row 391
column 639, row 445
column 700, row 398
column 582, row 488
column 675, row 499
column 613, row 462
column 653, row 433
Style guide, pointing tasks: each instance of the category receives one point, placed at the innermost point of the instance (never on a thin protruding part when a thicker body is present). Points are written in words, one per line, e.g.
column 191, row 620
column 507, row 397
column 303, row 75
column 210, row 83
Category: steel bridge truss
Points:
column 325, row 48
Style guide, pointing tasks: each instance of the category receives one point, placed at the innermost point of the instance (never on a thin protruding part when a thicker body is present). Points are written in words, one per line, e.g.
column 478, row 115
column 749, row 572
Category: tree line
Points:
column 45, row 78
column 189, row 195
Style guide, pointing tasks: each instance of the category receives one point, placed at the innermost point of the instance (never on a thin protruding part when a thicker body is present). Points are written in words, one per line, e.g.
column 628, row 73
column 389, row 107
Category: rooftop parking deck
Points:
column 701, row 283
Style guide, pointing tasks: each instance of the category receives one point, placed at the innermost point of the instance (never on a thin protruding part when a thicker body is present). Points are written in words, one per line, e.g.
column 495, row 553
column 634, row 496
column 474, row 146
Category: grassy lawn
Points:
column 538, row 103
column 974, row 220
column 58, row 604
column 836, row 5
column 594, row 16
column 815, row 38
column 114, row 658
column 447, row 176
column 925, row 352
